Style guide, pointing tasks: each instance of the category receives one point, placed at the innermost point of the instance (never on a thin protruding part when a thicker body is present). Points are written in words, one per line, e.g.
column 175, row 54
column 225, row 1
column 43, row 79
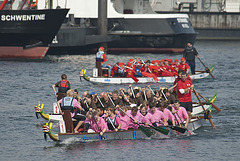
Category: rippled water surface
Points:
column 24, row 83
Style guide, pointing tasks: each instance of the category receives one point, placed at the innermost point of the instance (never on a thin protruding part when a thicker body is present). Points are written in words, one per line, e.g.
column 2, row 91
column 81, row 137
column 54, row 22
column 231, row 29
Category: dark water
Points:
column 24, row 83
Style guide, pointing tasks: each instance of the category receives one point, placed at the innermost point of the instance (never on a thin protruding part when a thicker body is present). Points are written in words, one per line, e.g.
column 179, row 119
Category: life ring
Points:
column 33, row 4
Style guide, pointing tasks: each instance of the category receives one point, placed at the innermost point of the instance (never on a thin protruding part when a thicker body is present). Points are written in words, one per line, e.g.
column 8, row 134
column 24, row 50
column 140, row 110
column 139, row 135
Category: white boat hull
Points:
column 123, row 80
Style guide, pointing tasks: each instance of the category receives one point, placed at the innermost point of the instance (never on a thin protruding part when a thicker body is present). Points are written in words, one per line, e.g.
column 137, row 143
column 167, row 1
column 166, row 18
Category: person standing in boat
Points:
column 70, row 103
column 100, row 59
column 184, row 87
column 189, row 54
column 63, row 87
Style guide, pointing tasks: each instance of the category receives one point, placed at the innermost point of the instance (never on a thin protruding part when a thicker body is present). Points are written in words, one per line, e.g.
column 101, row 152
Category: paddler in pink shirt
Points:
column 101, row 124
column 137, row 116
column 113, row 120
column 180, row 112
column 124, row 119
column 155, row 116
column 169, row 116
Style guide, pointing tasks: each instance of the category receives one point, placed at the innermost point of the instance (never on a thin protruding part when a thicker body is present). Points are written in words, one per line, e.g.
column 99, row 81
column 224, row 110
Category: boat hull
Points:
column 20, row 52
column 132, row 134
column 28, row 33
column 130, row 35
column 123, row 80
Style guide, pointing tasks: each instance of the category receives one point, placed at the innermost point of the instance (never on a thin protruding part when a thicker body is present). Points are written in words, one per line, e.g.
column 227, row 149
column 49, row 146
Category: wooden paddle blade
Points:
column 179, row 129
column 161, row 130
column 217, row 108
column 145, row 130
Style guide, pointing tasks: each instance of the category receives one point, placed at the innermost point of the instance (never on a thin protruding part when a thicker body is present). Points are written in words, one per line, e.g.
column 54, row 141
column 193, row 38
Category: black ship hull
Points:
column 167, row 35
column 22, row 30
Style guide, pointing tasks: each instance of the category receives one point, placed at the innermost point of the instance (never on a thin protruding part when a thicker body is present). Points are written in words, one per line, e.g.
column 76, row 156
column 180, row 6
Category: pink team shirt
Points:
column 75, row 105
column 168, row 114
column 124, row 120
column 182, row 113
column 138, row 117
column 155, row 117
column 101, row 124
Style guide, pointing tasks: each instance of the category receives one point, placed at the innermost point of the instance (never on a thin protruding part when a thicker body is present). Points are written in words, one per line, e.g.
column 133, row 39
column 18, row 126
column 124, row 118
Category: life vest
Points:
column 33, row 4
column 67, row 104
column 109, row 124
column 99, row 56
column 63, row 86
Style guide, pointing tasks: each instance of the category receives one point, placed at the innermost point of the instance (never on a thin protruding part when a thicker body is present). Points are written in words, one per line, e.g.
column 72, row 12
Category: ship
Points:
column 211, row 19
column 132, row 27
column 26, row 32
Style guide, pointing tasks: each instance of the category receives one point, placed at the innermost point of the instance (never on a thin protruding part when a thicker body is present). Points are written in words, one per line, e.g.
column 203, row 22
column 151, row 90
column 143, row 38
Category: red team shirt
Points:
column 186, row 97
column 184, row 66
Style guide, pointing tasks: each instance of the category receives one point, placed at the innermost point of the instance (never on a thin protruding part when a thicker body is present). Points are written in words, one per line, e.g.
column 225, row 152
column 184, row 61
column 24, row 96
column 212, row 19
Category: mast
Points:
column 102, row 20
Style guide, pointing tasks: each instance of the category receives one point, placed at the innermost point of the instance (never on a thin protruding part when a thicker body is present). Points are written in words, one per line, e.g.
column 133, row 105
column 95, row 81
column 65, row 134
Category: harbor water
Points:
column 24, row 83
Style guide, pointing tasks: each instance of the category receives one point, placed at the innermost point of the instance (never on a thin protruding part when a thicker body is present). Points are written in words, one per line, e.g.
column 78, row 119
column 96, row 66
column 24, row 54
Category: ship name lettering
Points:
column 23, row 17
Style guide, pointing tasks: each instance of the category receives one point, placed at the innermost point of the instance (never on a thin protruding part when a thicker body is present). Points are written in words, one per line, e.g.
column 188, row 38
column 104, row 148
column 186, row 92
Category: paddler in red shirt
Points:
column 184, row 87
column 183, row 65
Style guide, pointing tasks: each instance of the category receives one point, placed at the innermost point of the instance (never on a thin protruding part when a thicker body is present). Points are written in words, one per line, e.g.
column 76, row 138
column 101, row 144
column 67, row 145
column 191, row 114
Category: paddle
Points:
column 160, row 129
column 207, row 70
column 100, row 101
column 176, row 128
column 114, row 128
column 132, row 91
column 151, row 90
column 102, row 137
column 181, row 122
column 130, row 73
column 150, row 75
column 144, row 93
column 145, row 130
column 214, row 106
column 195, row 92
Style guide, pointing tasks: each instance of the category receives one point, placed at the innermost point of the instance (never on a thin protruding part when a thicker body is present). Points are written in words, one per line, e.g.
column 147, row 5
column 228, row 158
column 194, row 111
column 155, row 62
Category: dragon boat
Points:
column 122, row 80
column 56, row 116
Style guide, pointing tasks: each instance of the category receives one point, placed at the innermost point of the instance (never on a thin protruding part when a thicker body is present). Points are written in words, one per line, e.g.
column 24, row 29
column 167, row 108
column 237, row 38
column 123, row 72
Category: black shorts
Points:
column 187, row 105
column 79, row 117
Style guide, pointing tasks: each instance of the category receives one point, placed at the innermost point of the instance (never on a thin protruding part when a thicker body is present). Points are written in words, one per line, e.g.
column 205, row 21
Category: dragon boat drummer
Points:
column 63, row 87
column 100, row 59
column 70, row 103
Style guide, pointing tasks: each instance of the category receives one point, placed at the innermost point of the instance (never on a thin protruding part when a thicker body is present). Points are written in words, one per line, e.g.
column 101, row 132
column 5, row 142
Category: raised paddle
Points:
column 100, row 101
column 132, row 92
column 214, row 106
column 151, row 90
column 195, row 92
column 207, row 70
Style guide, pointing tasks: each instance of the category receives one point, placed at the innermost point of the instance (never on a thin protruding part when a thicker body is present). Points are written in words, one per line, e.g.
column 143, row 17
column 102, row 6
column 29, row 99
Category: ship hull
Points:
column 21, row 53
column 130, row 35
column 28, row 33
